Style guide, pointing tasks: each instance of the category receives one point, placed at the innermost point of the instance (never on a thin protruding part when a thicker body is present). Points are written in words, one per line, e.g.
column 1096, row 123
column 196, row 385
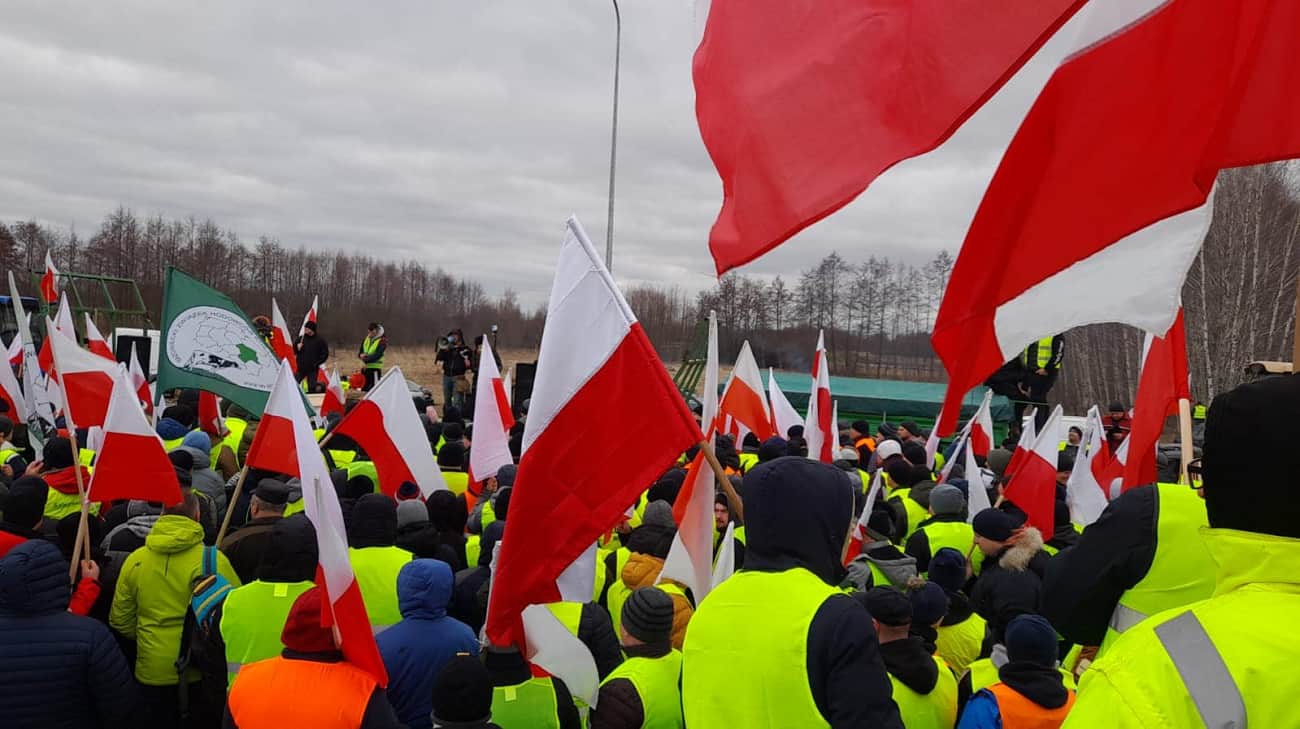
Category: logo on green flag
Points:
column 208, row 343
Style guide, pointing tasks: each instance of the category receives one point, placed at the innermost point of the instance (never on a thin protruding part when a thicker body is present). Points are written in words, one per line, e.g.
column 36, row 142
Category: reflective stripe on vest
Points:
column 1205, row 675
column 339, row 693
column 376, row 570
column 751, row 636
column 457, row 482
column 1182, row 571
column 656, row 683
column 252, row 619
column 935, row 710
column 1041, row 354
column 960, row 644
column 1021, row 713
column 527, row 705
column 370, row 346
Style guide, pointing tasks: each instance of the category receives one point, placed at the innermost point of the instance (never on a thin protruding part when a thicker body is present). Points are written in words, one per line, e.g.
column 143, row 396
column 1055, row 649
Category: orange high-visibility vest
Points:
column 1019, row 712
column 339, row 694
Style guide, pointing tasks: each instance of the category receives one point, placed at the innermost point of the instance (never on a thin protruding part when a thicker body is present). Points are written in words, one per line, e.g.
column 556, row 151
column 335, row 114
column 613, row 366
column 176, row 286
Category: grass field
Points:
column 418, row 364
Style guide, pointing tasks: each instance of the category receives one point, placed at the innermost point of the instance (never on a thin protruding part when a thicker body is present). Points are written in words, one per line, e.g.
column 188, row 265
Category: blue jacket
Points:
column 56, row 669
column 417, row 648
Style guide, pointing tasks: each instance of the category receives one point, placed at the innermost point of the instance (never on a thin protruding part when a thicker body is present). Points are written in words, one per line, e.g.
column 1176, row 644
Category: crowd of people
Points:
column 1163, row 613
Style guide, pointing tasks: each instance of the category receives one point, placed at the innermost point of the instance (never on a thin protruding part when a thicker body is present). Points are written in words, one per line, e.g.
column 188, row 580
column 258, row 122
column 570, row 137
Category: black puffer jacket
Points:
column 1011, row 583
column 56, row 669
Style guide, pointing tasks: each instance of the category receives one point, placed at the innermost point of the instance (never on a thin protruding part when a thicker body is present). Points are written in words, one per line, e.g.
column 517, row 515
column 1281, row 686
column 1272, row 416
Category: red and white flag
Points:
column 86, row 381
column 140, row 382
column 743, row 397
column 859, row 535
column 977, row 489
column 726, row 562
column 311, row 316
column 1028, row 436
column 690, row 559
column 981, row 427
column 50, row 280
column 15, row 351
column 95, row 341
column 131, row 462
column 599, row 376
column 1083, row 492
column 492, row 419
column 803, row 104
column 1162, row 383
column 334, row 398
column 932, row 443
column 210, row 420
column 60, row 324
column 10, row 391
column 285, row 444
column 1033, row 486
column 784, row 416
column 1112, row 170
column 819, row 430
column 281, row 340
column 388, row 429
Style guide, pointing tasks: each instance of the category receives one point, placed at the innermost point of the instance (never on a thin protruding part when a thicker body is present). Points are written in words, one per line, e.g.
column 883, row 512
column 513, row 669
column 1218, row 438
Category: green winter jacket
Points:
column 153, row 594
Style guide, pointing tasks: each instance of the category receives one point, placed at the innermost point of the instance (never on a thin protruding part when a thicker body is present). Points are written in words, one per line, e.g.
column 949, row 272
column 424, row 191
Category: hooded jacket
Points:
column 1010, row 583
column 417, row 648
column 129, row 536
column 807, row 527
column 60, row 670
column 153, row 594
column 897, row 567
column 203, row 477
column 908, row 661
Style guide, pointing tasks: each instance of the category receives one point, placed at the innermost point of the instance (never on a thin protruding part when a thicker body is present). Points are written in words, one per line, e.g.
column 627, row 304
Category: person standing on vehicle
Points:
column 372, row 353
column 312, row 352
column 457, row 365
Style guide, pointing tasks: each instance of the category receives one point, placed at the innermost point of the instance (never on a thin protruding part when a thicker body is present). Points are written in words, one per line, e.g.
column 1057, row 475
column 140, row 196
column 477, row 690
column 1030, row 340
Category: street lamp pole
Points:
column 613, row 142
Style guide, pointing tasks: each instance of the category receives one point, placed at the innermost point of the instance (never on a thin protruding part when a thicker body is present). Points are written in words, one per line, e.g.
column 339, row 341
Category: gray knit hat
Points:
column 946, row 500
column 411, row 512
column 648, row 615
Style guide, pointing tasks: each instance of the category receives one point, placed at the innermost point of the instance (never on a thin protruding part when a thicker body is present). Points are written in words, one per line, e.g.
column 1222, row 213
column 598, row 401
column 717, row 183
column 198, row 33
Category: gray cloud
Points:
column 458, row 134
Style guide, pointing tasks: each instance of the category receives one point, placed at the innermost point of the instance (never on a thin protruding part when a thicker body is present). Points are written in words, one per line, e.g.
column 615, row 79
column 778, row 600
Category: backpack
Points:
column 207, row 592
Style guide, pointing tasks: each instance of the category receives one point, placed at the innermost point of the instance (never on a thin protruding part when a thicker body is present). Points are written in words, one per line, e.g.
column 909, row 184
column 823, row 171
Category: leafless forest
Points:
column 876, row 312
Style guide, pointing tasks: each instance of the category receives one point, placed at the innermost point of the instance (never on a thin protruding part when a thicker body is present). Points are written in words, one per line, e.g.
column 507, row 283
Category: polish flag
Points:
column 284, row 444
column 1083, row 492
column 932, row 443
column 726, row 562
column 1028, row 437
column 387, row 427
column 86, row 381
column 1162, row 384
column 690, row 558
column 95, row 341
column 492, row 419
column 977, row 489
column 281, row 342
column 743, row 398
column 507, row 385
column 131, row 462
column 61, row 324
column 210, row 420
column 1111, row 473
column 10, row 391
column 311, row 317
column 599, row 376
column 15, row 351
column 1033, row 486
column 50, row 280
column 1113, row 169
column 323, row 376
column 784, row 416
column 981, row 427
column 140, row 382
column 859, row 535
column 803, row 104
column 334, row 398
column 819, row 431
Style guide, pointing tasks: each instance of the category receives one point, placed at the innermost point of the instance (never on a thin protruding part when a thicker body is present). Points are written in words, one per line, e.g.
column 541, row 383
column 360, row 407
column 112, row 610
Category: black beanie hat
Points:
column 1031, row 639
column 57, row 454
column 501, row 503
column 862, row 427
column 996, row 525
column 1258, row 417
column 948, row 569
column 26, row 503
column 462, row 691
column 889, row 606
column 648, row 615
column 772, row 449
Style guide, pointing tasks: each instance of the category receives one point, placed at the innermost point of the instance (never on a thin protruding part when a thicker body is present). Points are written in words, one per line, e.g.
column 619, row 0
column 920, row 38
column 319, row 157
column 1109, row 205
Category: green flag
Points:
column 208, row 343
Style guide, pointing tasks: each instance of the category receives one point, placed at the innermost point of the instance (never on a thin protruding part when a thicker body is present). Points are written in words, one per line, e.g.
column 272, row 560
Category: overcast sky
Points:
column 461, row 134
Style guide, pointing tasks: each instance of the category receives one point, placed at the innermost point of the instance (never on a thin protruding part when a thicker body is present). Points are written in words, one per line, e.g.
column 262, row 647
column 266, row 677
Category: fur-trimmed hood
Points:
column 1017, row 557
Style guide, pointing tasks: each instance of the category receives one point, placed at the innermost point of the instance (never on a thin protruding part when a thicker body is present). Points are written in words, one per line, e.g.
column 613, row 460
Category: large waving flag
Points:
column 819, row 428
column 334, row 401
column 131, row 463
column 492, row 419
column 50, row 280
column 1162, row 383
column 858, row 536
column 281, row 340
column 387, row 427
column 598, row 375
column 743, row 398
column 784, row 416
column 86, row 380
column 1033, row 486
column 981, row 427
column 803, row 104
column 310, row 317
column 284, row 443
column 1028, row 436
column 95, row 341
column 1083, row 492
column 691, row 556
column 1106, row 183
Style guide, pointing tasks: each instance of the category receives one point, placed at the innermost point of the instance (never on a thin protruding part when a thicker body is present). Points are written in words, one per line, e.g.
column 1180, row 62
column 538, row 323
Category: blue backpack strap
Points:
column 209, row 561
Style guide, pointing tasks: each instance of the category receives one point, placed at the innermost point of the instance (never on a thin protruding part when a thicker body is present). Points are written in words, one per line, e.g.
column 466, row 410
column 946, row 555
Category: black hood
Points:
column 959, row 609
column 797, row 514
column 908, row 661
column 291, row 555
column 1040, row 684
column 372, row 522
column 488, row 542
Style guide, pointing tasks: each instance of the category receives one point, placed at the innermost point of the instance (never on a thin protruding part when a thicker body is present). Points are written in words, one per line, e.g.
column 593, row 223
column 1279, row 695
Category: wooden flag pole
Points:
column 1185, row 438
column 733, row 498
column 230, row 507
column 82, row 543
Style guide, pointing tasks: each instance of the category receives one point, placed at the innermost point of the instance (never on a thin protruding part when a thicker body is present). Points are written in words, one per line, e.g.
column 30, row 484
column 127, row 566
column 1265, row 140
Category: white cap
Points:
column 887, row 449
